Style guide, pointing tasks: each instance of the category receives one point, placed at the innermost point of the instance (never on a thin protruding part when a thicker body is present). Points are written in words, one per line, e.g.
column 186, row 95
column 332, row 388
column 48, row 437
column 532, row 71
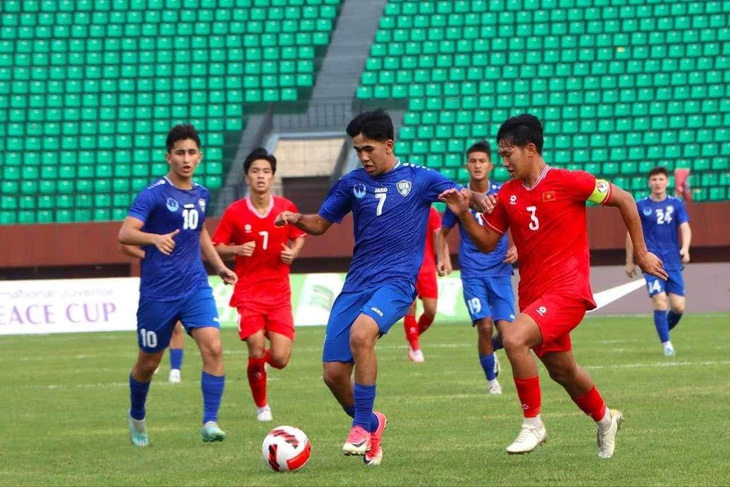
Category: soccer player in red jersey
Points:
column 544, row 207
column 263, row 259
column 427, row 289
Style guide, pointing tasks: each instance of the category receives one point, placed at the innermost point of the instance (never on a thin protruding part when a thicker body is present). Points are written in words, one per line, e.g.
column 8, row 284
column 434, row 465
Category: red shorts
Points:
column 556, row 315
column 426, row 285
column 277, row 319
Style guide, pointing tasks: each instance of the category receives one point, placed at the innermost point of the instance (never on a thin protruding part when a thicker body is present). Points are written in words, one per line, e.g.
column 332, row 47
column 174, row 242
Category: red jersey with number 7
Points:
column 548, row 225
column 262, row 277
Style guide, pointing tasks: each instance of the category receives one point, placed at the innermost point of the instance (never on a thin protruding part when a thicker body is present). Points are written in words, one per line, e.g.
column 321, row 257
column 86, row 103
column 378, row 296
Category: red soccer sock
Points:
column 257, row 380
column 409, row 324
column 592, row 404
column 528, row 390
column 424, row 322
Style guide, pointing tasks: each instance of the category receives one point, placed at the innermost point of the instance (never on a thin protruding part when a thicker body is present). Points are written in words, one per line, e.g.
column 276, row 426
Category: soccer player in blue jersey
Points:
column 166, row 221
column 486, row 278
column 390, row 202
column 663, row 219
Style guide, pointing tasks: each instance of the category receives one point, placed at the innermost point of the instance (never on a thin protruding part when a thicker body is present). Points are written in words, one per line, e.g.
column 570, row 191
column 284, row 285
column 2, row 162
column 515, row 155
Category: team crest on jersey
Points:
column 647, row 211
column 513, row 199
column 359, row 191
column 172, row 205
column 247, row 228
column 201, row 203
column 404, row 187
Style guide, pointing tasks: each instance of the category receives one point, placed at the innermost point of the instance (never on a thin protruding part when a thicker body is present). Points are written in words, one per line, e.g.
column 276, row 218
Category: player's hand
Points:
column 685, row 256
column 511, row 255
column 631, row 270
column 651, row 264
column 444, row 268
column 166, row 243
column 228, row 276
column 483, row 203
column 457, row 201
column 246, row 250
column 287, row 254
column 287, row 218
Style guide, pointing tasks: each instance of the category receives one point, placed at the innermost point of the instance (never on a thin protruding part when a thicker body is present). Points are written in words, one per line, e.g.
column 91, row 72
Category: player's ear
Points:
column 389, row 144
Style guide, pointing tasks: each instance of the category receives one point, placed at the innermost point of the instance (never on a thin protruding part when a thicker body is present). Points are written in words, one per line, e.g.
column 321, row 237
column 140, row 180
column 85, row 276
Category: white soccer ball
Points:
column 286, row 449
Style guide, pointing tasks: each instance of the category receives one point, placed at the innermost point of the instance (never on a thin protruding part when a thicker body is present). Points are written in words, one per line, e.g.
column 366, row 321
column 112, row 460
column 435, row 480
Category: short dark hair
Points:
column 658, row 170
column 375, row 125
column 255, row 155
column 182, row 131
column 522, row 130
column 481, row 146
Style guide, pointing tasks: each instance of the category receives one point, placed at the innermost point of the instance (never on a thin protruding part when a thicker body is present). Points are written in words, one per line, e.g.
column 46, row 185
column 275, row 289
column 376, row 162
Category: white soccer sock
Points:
column 536, row 421
column 605, row 423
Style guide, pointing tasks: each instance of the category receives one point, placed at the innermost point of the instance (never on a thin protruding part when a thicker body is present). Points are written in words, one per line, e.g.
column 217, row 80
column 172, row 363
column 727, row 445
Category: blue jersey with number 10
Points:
column 164, row 208
column 660, row 221
column 390, row 214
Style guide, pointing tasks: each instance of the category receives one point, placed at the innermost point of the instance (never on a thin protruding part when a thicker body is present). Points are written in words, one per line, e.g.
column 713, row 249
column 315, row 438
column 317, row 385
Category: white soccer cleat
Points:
column 264, row 414
column 415, row 355
column 529, row 438
column 493, row 387
column 174, row 377
column 607, row 439
column 668, row 350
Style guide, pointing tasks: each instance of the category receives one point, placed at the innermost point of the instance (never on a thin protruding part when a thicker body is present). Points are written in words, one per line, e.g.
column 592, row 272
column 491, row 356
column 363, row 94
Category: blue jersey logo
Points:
column 172, row 205
column 359, row 191
column 647, row 211
column 404, row 187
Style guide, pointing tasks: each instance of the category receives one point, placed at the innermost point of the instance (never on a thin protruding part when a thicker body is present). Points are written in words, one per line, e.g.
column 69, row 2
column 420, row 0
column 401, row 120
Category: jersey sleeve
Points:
column 497, row 220
column 682, row 216
column 224, row 232
column 337, row 203
column 435, row 184
column 142, row 206
column 584, row 186
column 449, row 219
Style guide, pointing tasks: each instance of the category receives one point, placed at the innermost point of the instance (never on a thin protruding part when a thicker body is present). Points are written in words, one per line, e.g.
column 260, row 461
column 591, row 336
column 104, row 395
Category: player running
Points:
column 263, row 256
column 166, row 221
column 544, row 208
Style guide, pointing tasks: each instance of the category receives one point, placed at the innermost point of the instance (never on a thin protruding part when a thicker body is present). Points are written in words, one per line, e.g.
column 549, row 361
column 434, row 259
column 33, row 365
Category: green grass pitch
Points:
column 65, row 400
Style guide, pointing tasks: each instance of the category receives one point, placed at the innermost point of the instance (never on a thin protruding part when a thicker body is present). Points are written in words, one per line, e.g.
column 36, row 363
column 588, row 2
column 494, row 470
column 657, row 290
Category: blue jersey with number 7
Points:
column 163, row 208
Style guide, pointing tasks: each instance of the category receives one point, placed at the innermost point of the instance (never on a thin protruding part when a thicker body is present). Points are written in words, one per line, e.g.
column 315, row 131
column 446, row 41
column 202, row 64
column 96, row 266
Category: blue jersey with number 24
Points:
column 660, row 221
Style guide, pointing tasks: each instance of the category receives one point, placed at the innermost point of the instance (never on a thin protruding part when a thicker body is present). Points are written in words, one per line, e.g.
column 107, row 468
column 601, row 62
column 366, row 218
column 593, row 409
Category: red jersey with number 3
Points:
column 548, row 225
column 262, row 277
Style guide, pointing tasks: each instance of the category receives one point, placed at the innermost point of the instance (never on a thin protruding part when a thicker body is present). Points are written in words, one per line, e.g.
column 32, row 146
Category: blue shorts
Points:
column 156, row 319
column 386, row 305
column 673, row 285
column 489, row 297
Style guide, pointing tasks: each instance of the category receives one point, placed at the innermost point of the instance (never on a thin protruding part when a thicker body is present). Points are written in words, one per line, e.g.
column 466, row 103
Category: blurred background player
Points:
column 663, row 218
column 167, row 220
column 263, row 256
column 545, row 210
column 177, row 341
column 486, row 278
column 427, row 290
column 390, row 203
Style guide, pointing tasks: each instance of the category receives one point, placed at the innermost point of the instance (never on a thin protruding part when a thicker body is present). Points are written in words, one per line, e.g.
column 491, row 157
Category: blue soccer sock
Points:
column 487, row 362
column 673, row 319
column 364, row 400
column 374, row 421
column 662, row 327
column 350, row 410
column 176, row 358
column 212, row 387
column 496, row 344
column 138, row 397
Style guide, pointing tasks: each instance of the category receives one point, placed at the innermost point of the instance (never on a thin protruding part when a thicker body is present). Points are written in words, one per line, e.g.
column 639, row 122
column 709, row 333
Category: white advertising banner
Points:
column 68, row 305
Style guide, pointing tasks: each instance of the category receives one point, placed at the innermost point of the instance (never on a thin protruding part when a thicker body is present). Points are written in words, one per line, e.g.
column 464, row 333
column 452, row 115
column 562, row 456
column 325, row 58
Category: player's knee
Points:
column 279, row 361
column 485, row 327
column 514, row 343
column 333, row 379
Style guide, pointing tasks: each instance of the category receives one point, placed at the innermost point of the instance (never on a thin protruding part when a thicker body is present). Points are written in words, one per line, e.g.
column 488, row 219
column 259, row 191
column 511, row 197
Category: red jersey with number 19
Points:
column 548, row 225
column 262, row 277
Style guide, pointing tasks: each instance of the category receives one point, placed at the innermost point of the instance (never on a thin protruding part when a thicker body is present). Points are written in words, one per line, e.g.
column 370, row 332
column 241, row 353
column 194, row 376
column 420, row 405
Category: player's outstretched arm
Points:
column 648, row 262
column 685, row 234
column 458, row 202
column 313, row 224
column 131, row 234
column 443, row 257
column 211, row 255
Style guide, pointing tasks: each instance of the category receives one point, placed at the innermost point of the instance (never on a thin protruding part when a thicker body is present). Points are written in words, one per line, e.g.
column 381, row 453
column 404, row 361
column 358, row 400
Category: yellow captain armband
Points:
column 601, row 192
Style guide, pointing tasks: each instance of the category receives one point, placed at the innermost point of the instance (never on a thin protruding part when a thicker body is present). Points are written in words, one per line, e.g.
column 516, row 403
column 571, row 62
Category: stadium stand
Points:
column 622, row 85
column 89, row 89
